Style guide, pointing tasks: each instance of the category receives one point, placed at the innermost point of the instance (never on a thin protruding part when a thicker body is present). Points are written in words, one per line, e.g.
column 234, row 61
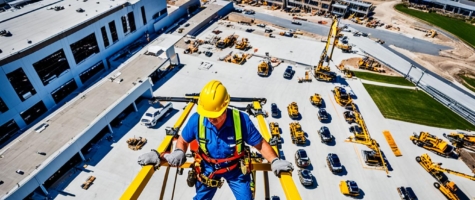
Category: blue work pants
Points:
column 238, row 182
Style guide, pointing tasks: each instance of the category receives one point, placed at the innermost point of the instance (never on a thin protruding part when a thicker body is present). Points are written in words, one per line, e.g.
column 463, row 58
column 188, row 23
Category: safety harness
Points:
column 202, row 154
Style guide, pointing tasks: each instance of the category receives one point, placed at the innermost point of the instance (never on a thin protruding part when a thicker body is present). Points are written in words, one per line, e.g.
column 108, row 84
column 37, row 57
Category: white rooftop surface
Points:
column 42, row 24
column 453, row 3
column 115, row 165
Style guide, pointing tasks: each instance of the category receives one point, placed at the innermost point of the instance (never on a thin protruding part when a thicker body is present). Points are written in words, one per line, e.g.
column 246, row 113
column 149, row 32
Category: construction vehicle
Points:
column 275, row 132
column 293, row 110
column 345, row 48
column 348, row 73
column 432, row 143
column 349, row 188
column 316, row 100
column 431, row 33
column 349, row 116
column 369, row 64
column 448, row 188
column 136, row 143
column 243, row 44
column 342, row 97
column 321, row 72
column 296, row 133
column 237, row 58
column 227, row 41
column 192, row 47
column 462, row 140
column 307, row 78
column 88, row 182
column 263, row 68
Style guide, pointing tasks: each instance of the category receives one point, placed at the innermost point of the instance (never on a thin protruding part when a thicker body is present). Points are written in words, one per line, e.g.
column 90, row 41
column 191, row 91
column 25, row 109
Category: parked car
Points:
column 322, row 114
column 187, row 24
column 152, row 115
column 261, row 25
column 306, row 177
column 353, row 187
column 411, row 194
column 364, row 34
column 289, row 72
column 402, row 193
column 334, row 163
column 208, row 53
column 249, row 12
column 301, row 158
column 296, row 22
column 274, row 110
column 249, row 30
column 406, row 193
column 325, row 134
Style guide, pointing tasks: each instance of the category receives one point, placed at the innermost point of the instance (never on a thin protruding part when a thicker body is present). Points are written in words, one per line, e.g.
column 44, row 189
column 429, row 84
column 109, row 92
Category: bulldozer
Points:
column 227, row 41
column 293, row 110
column 243, row 44
column 448, row 188
column 263, row 68
column 462, row 140
column 237, row 58
column 432, row 143
column 275, row 132
column 369, row 64
column 341, row 96
column 296, row 133
column 136, row 143
column 431, row 33
column 316, row 100
column 307, row 78
column 193, row 47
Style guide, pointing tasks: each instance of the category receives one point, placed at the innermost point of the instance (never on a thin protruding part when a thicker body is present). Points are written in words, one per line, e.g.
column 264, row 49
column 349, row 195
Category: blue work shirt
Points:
column 222, row 143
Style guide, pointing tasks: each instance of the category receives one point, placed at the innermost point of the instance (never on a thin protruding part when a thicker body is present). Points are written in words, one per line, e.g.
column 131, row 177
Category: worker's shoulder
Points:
column 244, row 115
column 194, row 118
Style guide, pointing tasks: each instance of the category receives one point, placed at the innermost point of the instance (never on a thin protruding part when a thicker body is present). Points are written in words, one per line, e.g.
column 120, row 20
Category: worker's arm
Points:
column 266, row 150
column 181, row 144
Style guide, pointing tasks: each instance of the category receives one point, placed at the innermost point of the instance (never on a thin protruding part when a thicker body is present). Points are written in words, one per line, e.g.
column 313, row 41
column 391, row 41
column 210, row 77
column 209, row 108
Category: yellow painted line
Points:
column 334, row 107
column 392, row 143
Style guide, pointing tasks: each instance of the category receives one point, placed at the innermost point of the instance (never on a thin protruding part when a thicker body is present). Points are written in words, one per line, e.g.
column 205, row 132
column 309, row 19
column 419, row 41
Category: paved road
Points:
column 399, row 40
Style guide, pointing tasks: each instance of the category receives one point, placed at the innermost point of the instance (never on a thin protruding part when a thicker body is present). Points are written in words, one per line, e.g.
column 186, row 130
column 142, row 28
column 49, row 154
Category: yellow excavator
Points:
column 342, row 97
column 227, row 41
column 322, row 72
column 432, row 143
column 263, row 68
column 293, row 110
column 462, row 140
column 275, row 132
column 237, row 58
column 448, row 188
column 296, row 133
column 243, row 44
column 316, row 100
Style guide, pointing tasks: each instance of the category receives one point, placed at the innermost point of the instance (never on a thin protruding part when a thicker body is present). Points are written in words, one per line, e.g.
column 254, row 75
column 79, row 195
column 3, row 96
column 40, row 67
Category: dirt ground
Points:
column 448, row 64
column 353, row 62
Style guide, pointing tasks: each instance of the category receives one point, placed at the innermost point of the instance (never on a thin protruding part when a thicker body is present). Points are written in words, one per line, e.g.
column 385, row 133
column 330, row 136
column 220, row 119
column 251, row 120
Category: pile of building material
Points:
column 468, row 158
column 136, row 143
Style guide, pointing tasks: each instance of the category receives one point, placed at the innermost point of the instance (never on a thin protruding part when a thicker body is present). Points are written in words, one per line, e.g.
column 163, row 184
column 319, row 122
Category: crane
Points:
column 462, row 140
column 375, row 156
column 321, row 72
column 433, row 167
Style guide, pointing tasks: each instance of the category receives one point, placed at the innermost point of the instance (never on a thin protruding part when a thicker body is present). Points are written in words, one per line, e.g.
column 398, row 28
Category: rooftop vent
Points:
column 58, row 8
column 80, row 10
column 5, row 33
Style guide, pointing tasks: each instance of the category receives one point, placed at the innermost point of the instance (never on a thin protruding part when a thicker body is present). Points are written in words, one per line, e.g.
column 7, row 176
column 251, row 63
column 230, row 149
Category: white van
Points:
column 152, row 115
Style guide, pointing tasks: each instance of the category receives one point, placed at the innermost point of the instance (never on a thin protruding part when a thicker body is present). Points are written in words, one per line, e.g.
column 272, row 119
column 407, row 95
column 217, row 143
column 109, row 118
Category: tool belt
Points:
column 209, row 181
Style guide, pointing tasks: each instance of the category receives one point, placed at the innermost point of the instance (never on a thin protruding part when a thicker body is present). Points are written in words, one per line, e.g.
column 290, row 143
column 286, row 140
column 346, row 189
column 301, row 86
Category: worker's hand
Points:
column 176, row 158
column 150, row 158
column 279, row 166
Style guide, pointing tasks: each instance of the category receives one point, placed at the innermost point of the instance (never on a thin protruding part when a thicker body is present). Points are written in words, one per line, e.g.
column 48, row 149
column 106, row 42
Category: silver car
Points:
column 306, row 177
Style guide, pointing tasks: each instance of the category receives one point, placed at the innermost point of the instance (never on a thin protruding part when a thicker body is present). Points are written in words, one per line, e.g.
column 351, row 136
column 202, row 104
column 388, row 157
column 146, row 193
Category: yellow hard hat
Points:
column 213, row 100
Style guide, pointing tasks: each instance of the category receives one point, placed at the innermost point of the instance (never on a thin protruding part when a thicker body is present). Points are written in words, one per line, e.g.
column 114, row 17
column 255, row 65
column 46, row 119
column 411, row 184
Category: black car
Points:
column 289, row 72
column 402, row 193
column 322, row 114
column 274, row 110
column 208, row 53
column 353, row 187
column 406, row 193
column 301, row 158
column 325, row 134
column 411, row 194
column 334, row 163
column 306, row 177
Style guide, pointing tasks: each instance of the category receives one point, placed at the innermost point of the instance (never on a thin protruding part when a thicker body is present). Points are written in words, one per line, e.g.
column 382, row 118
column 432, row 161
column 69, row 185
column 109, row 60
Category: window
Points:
column 162, row 12
column 84, row 48
column 34, row 112
column 21, row 84
column 104, row 36
column 113, row 30
column 144, row 16
column 131, row 18
column 63, row 91
column 52, row 66
column 3, row 106
column 88, row 73
column 7, row 130
column 125, row 24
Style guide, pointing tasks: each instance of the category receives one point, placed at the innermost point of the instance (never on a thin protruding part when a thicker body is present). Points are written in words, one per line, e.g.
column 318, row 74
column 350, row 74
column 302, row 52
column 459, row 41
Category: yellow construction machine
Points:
column 432, row 143
column 296, row 133
column 448, row 188
column 307, row 78
column 321, row 72
column 349, row 116
column 293, row 110
column 462, row 140
column 263, row 68
column 316, row 100
column 227, row 41
column 275, row 132
column 342, row 97
column 349, row 188
column 369, row 64
column 193, row 47
column 431, row 33
column 237, row 58
column 345, row 48
column 243, row 44
column 136, row 143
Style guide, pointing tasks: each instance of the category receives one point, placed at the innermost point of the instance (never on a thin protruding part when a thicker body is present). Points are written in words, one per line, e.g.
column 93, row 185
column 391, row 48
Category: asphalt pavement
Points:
column 390, row 38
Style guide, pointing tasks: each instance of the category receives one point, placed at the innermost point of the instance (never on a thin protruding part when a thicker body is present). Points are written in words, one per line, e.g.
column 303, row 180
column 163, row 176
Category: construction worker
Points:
column 219, row 133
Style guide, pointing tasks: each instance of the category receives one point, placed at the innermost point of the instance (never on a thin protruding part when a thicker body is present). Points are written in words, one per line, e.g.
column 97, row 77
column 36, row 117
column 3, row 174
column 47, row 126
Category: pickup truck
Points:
column 152, row 115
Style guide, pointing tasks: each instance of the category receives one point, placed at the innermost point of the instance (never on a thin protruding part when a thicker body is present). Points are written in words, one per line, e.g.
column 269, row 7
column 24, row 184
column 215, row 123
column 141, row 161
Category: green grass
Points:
column 455, row 26
column 382, row 78
column 469, row 82
column 416, row 107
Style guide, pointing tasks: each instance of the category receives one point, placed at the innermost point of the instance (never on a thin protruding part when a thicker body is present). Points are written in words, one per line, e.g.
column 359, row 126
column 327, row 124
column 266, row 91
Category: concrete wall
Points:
column 8, row 94
column 174, row 16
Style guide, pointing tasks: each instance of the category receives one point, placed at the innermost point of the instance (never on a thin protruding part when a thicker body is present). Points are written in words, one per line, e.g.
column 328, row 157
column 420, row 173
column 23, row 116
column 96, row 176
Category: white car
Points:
column 152, row 115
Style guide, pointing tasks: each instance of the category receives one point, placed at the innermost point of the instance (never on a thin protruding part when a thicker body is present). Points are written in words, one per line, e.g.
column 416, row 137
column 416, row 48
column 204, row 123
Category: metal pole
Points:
column 420, row 78
column 409, row 71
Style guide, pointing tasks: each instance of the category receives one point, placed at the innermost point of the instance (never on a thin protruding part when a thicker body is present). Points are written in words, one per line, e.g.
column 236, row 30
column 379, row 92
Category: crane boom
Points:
column 427, row 163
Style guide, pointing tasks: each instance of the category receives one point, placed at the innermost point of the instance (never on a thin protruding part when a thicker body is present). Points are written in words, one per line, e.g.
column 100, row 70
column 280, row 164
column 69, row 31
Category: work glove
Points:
column 150, row 158
column 176, row 158
column 279, row 166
